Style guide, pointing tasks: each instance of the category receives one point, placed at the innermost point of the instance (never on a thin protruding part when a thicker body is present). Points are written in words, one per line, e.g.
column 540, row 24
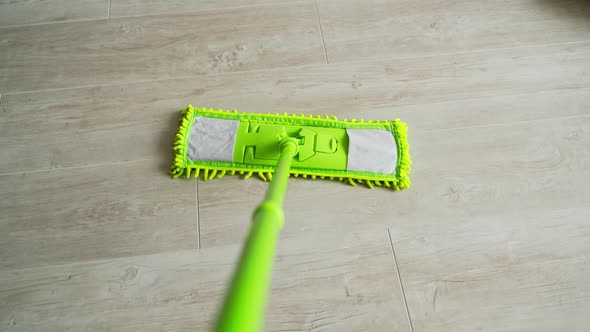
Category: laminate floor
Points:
column 492, row 236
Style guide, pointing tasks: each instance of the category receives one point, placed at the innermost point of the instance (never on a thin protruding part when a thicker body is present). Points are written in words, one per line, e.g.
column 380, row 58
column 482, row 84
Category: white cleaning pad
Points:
column 212, row 139
column 371, row 150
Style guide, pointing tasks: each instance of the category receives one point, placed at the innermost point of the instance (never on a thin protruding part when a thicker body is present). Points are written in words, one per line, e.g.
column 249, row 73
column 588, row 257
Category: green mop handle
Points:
column 245, row 303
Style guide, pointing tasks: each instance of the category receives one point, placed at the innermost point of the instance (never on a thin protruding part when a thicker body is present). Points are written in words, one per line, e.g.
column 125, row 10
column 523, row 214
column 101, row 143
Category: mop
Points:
column 214, row 143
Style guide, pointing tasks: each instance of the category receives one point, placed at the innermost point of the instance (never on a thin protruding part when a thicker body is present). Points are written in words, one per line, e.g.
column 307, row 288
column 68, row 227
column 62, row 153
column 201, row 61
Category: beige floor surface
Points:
column 494, row 234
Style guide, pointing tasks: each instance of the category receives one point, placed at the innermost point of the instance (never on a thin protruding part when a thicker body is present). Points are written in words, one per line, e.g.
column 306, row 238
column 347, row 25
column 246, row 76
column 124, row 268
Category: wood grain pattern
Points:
column 20, row 12
column 137, row 121
column 158, row 47
column 146, row 7
column 391, row 29
column 89, row 126
column 492, row 235
column 336, row 282
column 486, row 111
column 91, row 213
column 521, row 270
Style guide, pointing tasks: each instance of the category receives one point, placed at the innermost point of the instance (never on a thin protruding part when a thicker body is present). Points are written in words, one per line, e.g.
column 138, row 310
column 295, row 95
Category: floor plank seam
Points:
column 504, row 124
column 195, row 11
column 198, row 214
column 254, row 71
column 468, row 52
column 317, row 14
column 75, row 20
column 263, row 70
column 513, row 94
column 399, row 278
column 79, row 166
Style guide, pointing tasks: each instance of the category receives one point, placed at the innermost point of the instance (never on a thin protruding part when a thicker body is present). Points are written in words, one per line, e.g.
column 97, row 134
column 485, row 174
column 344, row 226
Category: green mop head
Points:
column 216, row 143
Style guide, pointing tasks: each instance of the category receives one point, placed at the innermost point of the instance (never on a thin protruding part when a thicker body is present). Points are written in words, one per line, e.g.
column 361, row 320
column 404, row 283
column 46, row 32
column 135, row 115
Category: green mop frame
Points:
column 211, row 169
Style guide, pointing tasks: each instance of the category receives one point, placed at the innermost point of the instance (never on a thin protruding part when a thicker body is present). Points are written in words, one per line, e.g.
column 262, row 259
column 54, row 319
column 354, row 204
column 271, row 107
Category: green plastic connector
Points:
column 327, row 146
